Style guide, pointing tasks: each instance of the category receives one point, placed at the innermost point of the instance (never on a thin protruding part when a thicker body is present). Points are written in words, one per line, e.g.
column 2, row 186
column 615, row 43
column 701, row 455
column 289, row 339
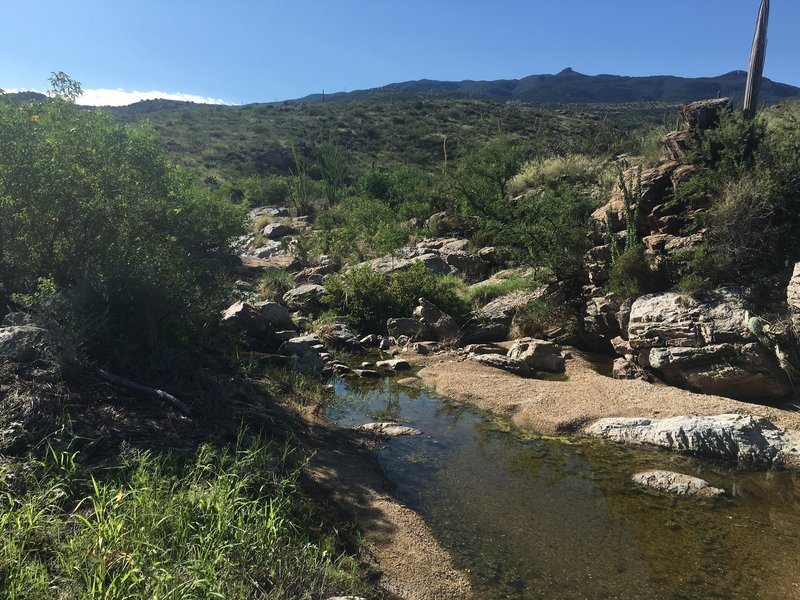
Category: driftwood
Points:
column 138, row 387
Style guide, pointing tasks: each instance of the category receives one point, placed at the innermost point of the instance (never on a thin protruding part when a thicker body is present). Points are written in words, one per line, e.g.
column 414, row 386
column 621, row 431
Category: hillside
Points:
column 569, row 87
column 257, row 139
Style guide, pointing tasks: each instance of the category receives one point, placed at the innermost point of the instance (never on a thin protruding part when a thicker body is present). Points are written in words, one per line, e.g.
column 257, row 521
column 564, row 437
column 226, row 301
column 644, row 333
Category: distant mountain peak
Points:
column 572, row 87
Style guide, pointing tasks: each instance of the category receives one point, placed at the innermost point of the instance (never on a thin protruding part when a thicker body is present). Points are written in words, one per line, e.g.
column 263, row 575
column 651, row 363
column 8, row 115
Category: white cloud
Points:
column 120, row 97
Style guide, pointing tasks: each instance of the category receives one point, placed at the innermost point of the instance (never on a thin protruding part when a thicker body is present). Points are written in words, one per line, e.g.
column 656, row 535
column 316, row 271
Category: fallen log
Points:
column 138, row 387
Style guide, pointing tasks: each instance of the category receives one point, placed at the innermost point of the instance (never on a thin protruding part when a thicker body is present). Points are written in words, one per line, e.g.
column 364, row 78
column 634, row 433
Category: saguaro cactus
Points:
column 757, row 55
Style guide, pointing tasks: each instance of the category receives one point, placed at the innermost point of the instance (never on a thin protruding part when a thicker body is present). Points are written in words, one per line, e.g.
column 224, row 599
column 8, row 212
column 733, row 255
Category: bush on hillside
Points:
column 368, row 298
column 99, row 210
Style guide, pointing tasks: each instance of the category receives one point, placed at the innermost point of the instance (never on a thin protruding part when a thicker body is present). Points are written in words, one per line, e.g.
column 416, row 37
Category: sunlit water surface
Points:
column 529, row 516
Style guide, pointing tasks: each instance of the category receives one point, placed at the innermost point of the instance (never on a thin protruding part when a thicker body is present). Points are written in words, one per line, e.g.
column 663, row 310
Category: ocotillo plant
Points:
column 757, row 56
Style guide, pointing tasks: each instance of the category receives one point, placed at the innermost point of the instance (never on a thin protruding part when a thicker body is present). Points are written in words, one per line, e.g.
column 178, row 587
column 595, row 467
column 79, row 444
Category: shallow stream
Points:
column 529, row 516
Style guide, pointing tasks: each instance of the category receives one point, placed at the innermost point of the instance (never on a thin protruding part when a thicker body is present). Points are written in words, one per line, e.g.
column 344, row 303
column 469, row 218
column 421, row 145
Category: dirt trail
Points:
column 413, row 564
column 567, row 406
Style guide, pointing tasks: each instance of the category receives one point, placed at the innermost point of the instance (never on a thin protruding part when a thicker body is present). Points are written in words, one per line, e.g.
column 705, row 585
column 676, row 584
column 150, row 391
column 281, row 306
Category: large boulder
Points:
column 411, row 328
column 304, row 354
column 443, row 326
column 501, row 311
column 471, row 266
column 247, row 318
column 304, row 297
column 342, row 337
column 276, row 314
column 24, row 343
column 432, row 261
column 276, row 231
column 752, row 441
column 711, row 344
column 539, row 355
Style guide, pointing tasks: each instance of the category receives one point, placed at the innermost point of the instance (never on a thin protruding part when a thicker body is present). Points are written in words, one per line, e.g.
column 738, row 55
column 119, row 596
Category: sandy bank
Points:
column 552, row 407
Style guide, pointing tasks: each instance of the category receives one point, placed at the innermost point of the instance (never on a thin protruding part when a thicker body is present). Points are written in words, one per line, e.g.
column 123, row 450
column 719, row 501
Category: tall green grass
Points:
column 221, row 523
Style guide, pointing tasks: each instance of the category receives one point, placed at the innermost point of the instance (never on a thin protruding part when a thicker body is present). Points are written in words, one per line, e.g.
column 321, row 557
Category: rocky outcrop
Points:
column 304, row 297
column 443, row 326
column 539, row 355
column 709, row 344
column 751, row 441
column 677, row 484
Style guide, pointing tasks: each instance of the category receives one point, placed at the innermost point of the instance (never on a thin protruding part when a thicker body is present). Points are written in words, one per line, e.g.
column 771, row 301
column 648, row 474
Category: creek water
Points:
column 530, row 516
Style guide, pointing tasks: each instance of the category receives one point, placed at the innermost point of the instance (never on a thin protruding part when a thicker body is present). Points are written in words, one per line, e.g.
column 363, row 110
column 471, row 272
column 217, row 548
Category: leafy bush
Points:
column 358, row 228
column 370, row 297
column 630, row 275
column 99, row 209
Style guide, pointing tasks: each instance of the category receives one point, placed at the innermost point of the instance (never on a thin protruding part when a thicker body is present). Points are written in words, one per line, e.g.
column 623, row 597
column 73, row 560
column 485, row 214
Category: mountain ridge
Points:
column 571, row 87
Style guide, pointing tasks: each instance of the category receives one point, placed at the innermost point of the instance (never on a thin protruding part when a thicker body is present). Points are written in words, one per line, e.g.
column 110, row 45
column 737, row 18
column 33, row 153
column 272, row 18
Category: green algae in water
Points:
column 532, row 516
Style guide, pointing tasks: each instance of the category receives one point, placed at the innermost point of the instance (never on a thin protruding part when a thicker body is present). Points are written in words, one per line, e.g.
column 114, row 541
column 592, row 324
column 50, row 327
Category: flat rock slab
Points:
column 512, row 365
column 396, row 364
column 388, row 429
column 367, row 373
column 677, row 483
column 752, row 441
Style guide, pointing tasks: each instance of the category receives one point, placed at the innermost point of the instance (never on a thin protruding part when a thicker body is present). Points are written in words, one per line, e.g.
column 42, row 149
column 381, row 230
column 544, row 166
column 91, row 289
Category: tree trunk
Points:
column 757, row 55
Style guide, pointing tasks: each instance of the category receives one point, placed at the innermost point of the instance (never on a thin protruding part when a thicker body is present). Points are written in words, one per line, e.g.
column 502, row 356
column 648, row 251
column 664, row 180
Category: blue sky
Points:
column 240, row 51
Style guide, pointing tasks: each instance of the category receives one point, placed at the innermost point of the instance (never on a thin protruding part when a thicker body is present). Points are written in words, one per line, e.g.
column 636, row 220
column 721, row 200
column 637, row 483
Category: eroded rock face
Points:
column 706, row 344
column 752, row 441
column 539, row 355
column 677, row 483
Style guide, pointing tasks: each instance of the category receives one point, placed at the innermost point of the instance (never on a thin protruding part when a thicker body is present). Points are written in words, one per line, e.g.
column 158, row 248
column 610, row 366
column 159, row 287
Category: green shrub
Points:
column 370, row 297
column 98, row 208
column 358, row 228
column 630, row 275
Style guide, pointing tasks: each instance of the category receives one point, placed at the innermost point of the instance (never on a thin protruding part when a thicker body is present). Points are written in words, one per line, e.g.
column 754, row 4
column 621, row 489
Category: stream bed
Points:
column 530, row 516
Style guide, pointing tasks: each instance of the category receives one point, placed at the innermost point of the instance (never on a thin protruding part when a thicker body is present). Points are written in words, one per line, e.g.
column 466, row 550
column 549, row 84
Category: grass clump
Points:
column 480, row 295
column 224, row 523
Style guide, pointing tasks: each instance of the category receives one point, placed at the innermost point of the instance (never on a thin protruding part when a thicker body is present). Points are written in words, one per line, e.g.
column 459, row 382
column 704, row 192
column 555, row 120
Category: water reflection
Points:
column 535, row 517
